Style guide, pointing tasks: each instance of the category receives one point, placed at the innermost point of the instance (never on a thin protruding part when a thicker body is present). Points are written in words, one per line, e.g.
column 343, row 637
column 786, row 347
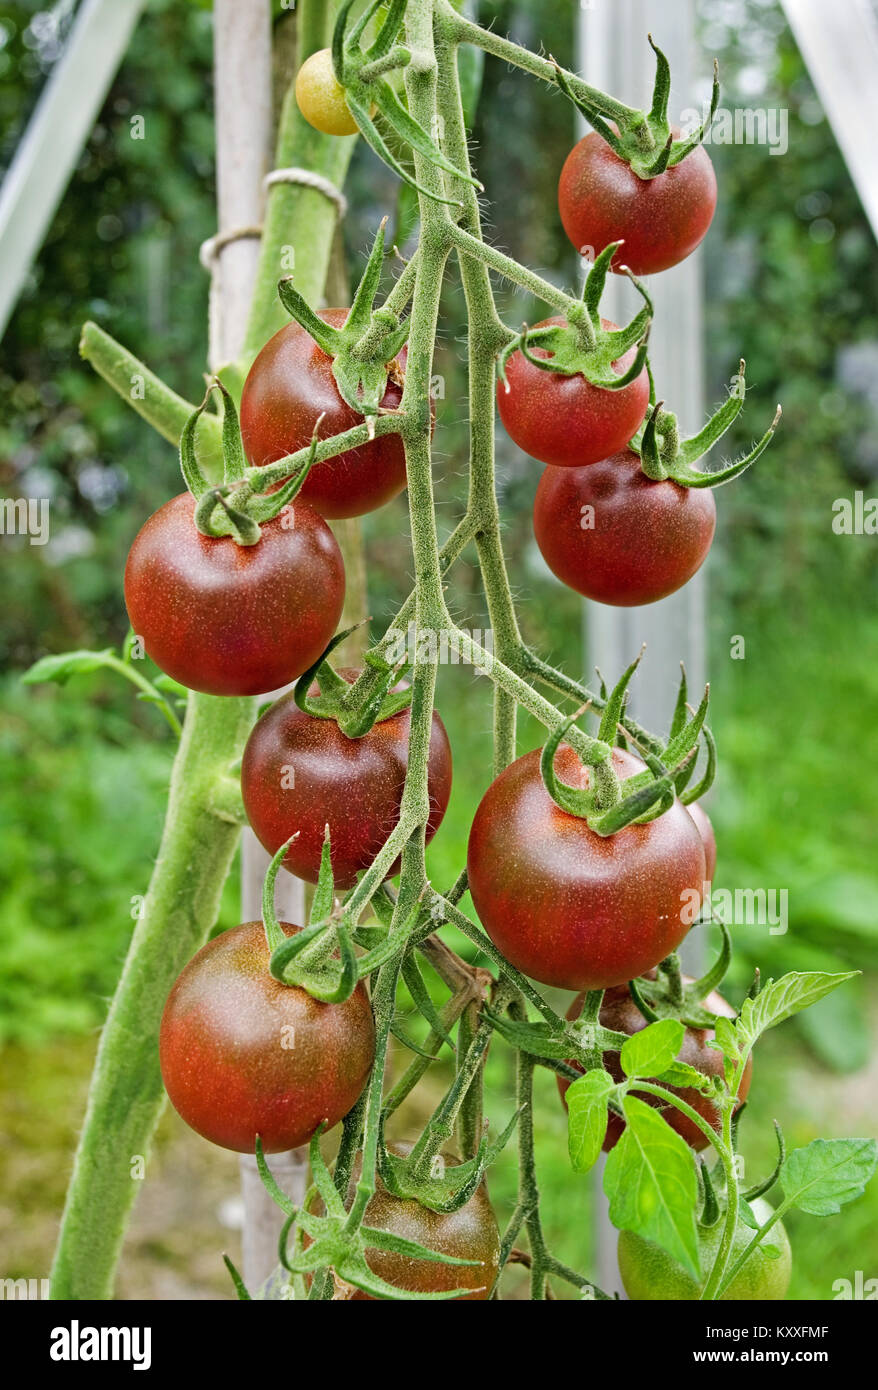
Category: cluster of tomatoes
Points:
column 605, row 528
column 243, row 1054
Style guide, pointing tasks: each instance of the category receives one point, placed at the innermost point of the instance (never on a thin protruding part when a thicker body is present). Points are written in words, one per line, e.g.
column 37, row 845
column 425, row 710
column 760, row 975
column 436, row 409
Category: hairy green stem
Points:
column 151, row 398
column 299, row 221
column 126, row 1092
column 463, row 30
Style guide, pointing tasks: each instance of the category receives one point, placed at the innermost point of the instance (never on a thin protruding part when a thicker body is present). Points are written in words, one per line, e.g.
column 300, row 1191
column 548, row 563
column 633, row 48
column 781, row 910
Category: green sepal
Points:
column 643, row 140
column 234, row 462
column 454, row 1188
column 706, row 781
column 414, row 134
column 768, row 1183
column 369, row 340
column 332, row 685
column 664, row 455
column 335, row 1246
column 577, row 801
column 236, row 524
column 274, row 936
column 376, row 142
column 680, row 148
column 710, row 1210
column 326, row 980
column 332, row 702
column 655, row 998
column 240, row 1286
column 615, row 706
column 582, row 346
column 331, row 983
column 389, row 31
column 324, row 894
column 193, row 477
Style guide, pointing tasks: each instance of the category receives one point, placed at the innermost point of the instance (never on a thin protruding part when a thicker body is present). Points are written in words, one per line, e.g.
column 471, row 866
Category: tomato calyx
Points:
column 233, row 508
column 362, row 75
column 582, row 346
column 608, row 805
column 328, row 968
column 666, row 994
column 365, row 349
column 663, row 454
column 338, row 1243
column 424, row 1177
column 337, row 698
column 644, row 140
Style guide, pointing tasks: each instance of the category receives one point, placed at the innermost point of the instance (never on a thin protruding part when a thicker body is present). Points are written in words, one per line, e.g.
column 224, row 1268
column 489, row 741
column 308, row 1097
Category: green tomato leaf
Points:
column 59, row 668
column 780, row 999
column 827, row 1173
column 652, row 1186
column 587, row 1118
column 681, row 1075
column 653, row 1049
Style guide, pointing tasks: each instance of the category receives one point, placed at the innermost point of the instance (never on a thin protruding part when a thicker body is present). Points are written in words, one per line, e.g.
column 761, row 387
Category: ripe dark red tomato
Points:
column 232, row 619
column 564, row 420
column 620, row 1013
column 241, row 1054
column 289, row 386
column 702, row 820
column 300, row 773
column 566, row 906
column 660, row 220
column 470, row 1233
column 614, row 535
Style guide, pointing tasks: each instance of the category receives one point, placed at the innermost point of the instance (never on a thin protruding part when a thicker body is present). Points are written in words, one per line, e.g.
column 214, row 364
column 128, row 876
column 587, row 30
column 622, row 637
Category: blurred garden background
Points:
column 792, row 282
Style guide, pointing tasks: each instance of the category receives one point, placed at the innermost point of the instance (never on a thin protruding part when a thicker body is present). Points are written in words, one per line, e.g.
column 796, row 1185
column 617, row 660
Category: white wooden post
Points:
column 840, row 48
column 56, row 134
column 614, row 55
column 243, row 76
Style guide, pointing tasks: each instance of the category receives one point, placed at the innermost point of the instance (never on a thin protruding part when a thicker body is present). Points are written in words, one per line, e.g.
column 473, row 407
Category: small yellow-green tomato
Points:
column 321, row 97
column 650, row 1273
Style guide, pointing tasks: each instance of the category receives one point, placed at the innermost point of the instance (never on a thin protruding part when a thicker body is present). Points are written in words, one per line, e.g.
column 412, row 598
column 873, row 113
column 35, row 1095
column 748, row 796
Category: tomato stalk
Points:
column 180, row 907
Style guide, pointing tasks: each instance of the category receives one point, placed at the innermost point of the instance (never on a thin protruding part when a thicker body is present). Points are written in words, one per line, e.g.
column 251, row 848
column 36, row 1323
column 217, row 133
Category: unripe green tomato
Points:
column 320, row 96
column 651, row 1274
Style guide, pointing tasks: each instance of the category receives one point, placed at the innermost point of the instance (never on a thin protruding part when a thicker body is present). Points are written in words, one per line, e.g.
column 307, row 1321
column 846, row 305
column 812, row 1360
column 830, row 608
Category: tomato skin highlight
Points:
column 642, row 541
column 564, row 420
column 229, row 619
column 649, row 1274
column 660, row 220
column 620, row 1014
column 242, row 1054
column 288, row 388
column 301, row 773
column 705, row 828
column 470, row 1233
column 566, row 906
column 321, row 98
